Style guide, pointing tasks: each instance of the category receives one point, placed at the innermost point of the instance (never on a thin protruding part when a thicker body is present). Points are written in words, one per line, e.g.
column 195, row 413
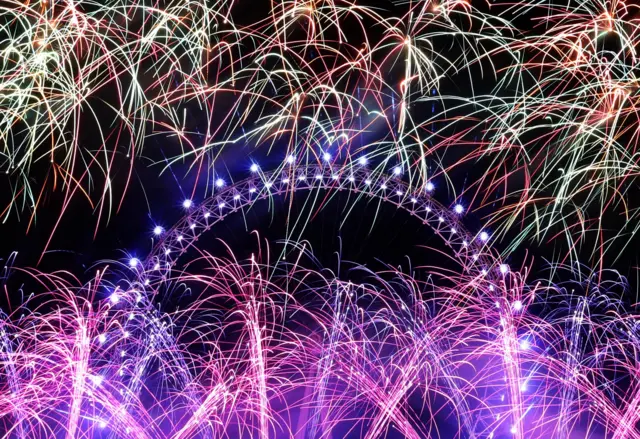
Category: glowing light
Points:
column 187, row 204
column 326, row 157
column 157, row 230
column 458, row 209
column 362, row 161
column 220, row 182
column 291, row 159
column 429, row 186
column 397, row 170
column 254, row 167
column 484, row 236
column 517, row 305
column 114, row 298
column 504, row 268
column 102, row 338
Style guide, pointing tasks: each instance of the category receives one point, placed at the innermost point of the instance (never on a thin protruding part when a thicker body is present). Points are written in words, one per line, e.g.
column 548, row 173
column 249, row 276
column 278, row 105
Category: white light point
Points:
column 114, row 298
column 525, row 345
column 207, row 215
column 429, row 186
column 414, row 200
column 504, row 268
column 484, row 236
column 397, row 170
column 517, row 305
column 367, row 182
column 362, row 161
column 383, row 186
column 399, row 193
column 268, row 184
column 458, row 209
column 252, row 190
column 219, row 182
column 254, row 167
column 157, row 230
column 236, row 197
column 319, row 177
column 187, row 204
column 291, row 159
column 514, row 430
column 285, row 180
column 221, row 205
column 326, row 157
column 133, row 262
column 102, row 338
column 103, row 424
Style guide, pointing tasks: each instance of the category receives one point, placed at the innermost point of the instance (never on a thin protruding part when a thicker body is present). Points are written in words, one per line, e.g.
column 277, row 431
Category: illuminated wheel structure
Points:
column 471, row 250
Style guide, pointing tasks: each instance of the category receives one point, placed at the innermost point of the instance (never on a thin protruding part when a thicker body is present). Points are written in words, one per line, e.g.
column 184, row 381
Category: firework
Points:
column 261, row 350
column 87, row 88
column 540, row 117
